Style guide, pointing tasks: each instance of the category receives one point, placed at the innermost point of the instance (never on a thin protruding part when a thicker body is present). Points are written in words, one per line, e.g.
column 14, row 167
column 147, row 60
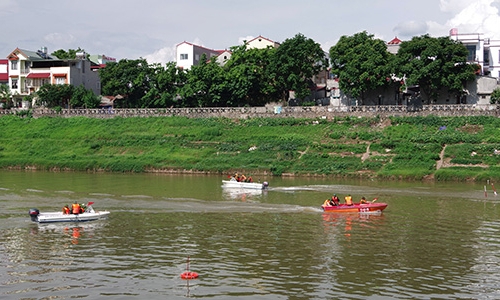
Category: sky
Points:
column 150, row 29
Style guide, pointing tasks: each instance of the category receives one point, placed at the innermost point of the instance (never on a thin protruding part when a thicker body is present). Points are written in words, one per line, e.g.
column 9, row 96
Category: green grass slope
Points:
column 412, row 148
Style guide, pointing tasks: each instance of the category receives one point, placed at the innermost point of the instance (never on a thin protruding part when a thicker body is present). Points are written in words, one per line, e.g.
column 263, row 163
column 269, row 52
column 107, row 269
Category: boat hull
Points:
column 54, row 217
column 356, row 208
column 244, row 185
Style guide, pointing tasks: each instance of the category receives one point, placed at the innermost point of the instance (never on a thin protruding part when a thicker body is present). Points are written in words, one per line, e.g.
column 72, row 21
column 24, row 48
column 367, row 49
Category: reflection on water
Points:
column 432, row 242
column 243, row 195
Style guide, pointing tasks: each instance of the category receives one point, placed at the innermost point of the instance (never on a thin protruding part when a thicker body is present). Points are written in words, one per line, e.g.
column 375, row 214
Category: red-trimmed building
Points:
column 29, row 70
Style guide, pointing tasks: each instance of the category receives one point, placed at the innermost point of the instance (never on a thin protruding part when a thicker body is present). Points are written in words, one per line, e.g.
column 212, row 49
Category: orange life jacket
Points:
column 348, row 200
column 75, row 208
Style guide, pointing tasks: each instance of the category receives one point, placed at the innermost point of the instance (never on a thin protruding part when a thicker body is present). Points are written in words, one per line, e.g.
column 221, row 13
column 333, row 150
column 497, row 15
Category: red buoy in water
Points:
column 188, row 274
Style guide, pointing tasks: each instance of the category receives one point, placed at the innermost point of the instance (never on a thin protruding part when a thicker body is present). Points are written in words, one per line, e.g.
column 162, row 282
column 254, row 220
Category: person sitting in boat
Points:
column 75, row 208
column 328, row 202
column 363, row 200
column 348, row 200
column 243, row 178
column 65, row 209
column 249, row 179
column 335, row 200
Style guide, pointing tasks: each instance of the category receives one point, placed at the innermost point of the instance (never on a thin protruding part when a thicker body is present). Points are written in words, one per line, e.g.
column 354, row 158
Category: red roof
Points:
column 394, row 41
column 38, row 75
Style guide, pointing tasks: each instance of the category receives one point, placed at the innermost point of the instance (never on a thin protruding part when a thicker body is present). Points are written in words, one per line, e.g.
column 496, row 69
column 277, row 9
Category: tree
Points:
column 248, row 76
column 164, row 85
column 205, row 85
column 5, row 96
column 294, row 63
column 434, row 64
column 362, row 63
column 129, row 78
column 53, row 95
column 495, row 96
column 81, row 97
column 70, row 54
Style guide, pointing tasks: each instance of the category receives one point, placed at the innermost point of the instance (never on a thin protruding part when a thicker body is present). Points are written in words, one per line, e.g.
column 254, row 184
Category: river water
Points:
column 434, row 241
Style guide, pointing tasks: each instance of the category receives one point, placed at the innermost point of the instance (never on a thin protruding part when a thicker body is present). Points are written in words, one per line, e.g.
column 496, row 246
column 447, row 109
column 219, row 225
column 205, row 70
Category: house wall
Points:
column 260, row 43
column 224, row 57
column 4, row 71
column 494, row 56
column 184, row 48
column 194, row 53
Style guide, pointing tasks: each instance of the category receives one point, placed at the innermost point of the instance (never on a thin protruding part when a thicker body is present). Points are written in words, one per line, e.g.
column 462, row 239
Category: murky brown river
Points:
column 434, row 241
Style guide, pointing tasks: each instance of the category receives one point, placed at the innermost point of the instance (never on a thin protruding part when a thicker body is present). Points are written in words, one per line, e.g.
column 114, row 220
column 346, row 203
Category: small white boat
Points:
column 233, row 183
column 52, row 217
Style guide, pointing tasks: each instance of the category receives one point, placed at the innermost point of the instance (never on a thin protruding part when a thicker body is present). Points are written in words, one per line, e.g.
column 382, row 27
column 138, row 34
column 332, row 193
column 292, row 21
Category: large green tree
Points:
column 295, row 62
column 128, row 78
column 362, row 63
column 53, row 95
column 248, row 76
column 434, row 64
column 81, row 97
column 164, row 85
column 205, row 85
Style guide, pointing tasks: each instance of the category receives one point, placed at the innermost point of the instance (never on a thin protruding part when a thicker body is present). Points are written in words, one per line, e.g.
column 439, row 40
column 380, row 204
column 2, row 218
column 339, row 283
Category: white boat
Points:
column 233, row 183
column 51, row 217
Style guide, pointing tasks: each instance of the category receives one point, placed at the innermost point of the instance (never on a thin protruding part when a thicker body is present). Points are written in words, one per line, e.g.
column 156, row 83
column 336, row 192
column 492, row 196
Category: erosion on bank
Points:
column 410, row 148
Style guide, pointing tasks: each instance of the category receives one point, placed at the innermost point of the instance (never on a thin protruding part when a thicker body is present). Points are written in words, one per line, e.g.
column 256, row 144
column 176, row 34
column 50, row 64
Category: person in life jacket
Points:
column 335, row 199
column 75, row 208
column 363, row 200
column 348, row 200
column 65, row 209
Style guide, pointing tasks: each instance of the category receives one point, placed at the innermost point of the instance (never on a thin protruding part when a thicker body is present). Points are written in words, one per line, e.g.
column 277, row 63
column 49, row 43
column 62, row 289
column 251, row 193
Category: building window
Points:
column 13, row 64
column 14, row 84
column 184, row 56
column 472, row 52
column 60, row 80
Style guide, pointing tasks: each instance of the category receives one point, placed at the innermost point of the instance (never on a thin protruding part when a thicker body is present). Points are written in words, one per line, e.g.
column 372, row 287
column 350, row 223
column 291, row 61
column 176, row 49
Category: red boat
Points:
column 356, row 208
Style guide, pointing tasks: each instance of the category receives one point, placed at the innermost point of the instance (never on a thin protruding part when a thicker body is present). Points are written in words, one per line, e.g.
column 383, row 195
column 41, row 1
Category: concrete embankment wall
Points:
column 324, row 112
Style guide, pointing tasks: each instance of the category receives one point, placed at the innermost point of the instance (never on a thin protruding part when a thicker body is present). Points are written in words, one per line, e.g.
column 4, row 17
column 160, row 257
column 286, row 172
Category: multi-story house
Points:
column 29, row 70
column 189, row 54
column 483, row 51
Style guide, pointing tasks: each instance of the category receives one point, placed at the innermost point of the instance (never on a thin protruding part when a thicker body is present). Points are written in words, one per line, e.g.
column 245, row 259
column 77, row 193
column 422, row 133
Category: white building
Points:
column 29, row 70
column 483, row 51
column 190, row 54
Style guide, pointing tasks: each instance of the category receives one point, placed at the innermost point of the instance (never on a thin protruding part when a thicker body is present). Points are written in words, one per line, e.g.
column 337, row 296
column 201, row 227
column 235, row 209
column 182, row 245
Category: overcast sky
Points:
column 151, row 28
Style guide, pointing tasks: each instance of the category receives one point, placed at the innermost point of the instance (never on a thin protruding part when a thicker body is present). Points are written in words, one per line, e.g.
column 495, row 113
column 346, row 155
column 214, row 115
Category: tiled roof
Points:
column 394, row 41
column 38, row 75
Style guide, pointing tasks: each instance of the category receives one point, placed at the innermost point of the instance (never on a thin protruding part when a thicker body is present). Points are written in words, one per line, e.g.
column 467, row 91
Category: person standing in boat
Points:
column 75, row 208
column 348, row 199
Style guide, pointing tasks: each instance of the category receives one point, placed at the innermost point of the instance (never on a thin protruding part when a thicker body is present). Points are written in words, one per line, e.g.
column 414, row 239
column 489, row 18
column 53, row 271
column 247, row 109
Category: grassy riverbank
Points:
column 414, row 148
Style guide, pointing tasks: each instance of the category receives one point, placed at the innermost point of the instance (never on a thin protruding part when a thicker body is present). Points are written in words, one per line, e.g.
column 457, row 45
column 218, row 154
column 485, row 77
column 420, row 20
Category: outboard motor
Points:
column 265, row 184
column 34, row 214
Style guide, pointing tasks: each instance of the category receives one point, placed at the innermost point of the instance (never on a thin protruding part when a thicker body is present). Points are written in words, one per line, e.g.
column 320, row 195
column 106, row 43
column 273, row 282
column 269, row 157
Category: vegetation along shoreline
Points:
column 462, row 148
